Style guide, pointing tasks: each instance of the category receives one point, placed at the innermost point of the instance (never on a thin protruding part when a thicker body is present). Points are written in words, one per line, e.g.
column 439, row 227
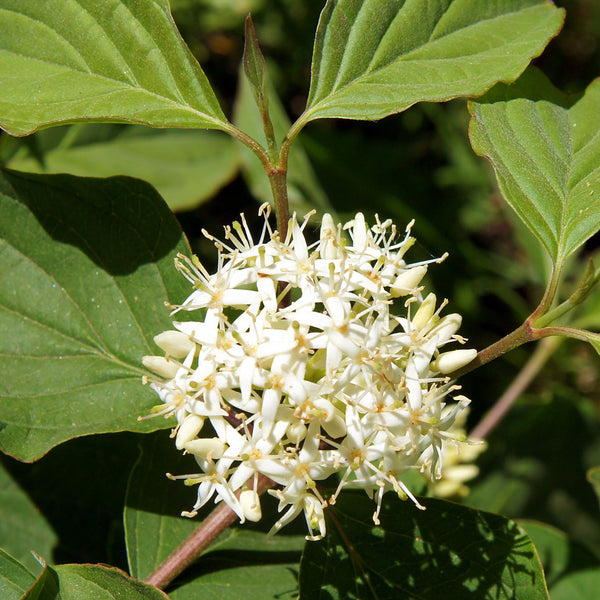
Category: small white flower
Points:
column 307, row 360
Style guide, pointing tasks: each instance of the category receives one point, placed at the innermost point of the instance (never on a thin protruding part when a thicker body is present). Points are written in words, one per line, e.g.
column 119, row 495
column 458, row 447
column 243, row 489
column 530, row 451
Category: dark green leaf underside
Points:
column 547, row 161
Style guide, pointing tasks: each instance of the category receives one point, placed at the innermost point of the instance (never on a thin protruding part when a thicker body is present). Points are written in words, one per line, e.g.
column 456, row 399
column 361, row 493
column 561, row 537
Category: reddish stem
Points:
column 206, row 533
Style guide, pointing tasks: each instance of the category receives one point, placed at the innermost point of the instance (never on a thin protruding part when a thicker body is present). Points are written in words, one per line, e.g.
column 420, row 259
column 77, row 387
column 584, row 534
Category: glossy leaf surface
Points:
column 373, row 58
column 116, row 60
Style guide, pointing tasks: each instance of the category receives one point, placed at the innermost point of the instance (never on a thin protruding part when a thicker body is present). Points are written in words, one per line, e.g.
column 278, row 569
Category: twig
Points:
column 538, row 359
column 206, row 533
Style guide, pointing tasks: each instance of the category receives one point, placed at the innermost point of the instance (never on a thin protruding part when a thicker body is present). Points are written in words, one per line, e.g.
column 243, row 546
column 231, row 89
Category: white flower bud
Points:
column 174, row 343
column 161, row 366
column 250, row 503
column 206, row 447
column 296, row 432
column 425, row 312
column 406, row 282
column 188, row 430
column 328, row 239
column 360, row 233
column 446, row 327
column 454, row 360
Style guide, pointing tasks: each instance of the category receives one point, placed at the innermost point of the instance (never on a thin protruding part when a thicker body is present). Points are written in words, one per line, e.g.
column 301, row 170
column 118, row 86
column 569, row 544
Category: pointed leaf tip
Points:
column 374, row 58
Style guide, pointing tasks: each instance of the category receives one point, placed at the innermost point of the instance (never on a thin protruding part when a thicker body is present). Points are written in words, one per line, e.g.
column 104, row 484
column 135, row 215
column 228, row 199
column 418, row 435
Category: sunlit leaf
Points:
column 116, row 60
column 373, row 58
column 86, row 266
column 547, row 160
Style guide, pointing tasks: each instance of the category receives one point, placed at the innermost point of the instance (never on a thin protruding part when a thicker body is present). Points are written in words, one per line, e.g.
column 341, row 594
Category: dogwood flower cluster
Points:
column 307, row 360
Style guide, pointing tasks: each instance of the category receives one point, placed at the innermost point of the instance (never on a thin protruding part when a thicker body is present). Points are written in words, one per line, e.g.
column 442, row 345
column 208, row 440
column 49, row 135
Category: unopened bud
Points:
column 161, row 366
column 406, row 282
column 175, row 343
column 328, row 239
column 250, row 503
column 454, row 360
column 212, row 448
column 188, row 430
column 359, row 233
column 447, row 327
column 296, row 432
column 425, row 312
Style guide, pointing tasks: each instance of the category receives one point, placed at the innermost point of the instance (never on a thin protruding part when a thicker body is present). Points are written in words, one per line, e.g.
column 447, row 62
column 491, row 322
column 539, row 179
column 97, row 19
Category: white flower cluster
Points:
column 298, row 367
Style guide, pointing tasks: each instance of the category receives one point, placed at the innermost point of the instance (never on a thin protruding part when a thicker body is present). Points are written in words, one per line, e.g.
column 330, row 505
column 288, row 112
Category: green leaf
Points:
column 547, row 161
column 116, row 60
column 447, row 551
column 15, row 578
column 246, row 575
column 23, row 528
column 245, row 564
column 86, row 266
column 186, row 167
column 154, row 526
column 373, row 58
column 582, row 585
column 304, row 190
column 84, row 582
column 264, row 566
column 254, row 66
column 560, row 555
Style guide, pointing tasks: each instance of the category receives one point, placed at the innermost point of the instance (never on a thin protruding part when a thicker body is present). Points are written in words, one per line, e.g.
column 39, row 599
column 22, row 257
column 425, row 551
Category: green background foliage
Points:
column 418, row 164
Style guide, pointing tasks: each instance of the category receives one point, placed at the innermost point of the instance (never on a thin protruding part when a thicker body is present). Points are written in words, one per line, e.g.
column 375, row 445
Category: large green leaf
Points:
column 185, row 166
column 86, row 266
column 547, row 160
column 116, row 60
column 447, row 551
column 373, row 58
column 22, row 528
